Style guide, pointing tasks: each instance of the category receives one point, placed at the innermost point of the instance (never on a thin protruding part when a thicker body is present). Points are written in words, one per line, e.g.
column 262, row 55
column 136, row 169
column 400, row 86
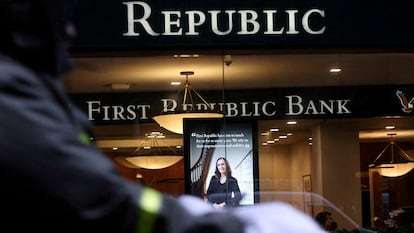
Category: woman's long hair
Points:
column 228, row 168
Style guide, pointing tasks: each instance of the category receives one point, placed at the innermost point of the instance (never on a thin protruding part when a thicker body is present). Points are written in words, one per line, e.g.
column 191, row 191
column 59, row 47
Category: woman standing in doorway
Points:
column 223, row 190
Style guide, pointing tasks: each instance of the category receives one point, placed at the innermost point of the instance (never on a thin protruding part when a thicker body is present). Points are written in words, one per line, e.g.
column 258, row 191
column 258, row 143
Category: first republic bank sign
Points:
column 280, row 103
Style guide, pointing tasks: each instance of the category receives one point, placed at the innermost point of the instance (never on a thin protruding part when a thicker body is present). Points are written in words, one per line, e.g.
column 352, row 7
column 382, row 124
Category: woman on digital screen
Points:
column 223, row 190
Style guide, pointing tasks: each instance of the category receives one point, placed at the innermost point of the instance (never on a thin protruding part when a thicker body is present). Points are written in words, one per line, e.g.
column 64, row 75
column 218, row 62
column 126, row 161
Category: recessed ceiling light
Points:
column 186, row 56
column 392, row 117
column 174, row 83
column 274, row 130
column 265, row 133
column 335, row 70
column 390, row 127
column 291, row 122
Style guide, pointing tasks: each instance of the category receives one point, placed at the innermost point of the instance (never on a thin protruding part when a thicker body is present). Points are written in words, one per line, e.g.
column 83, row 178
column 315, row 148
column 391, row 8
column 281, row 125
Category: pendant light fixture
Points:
column 153, row 154
column 393, row 168
column 174, row 121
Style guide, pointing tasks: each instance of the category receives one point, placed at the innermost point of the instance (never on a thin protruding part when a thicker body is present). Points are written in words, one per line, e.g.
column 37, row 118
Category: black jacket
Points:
column 53, row 177
column 229, row 192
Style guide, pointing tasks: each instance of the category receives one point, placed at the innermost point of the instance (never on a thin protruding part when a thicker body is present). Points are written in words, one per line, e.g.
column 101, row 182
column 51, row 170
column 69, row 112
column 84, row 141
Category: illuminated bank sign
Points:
column 140, row 17
column 246, row 24
column 294, row 106
column 282, row 103
column 175, row 24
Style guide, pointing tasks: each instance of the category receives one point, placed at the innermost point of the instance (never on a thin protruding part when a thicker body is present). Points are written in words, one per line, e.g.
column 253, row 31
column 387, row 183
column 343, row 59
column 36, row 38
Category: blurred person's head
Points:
column 37, row 32
column 326, row 221
column 222, row 167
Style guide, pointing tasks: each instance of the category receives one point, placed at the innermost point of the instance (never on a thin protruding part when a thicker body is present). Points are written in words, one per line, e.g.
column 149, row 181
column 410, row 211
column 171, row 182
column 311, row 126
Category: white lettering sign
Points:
column 249, row 22
column 295, row 106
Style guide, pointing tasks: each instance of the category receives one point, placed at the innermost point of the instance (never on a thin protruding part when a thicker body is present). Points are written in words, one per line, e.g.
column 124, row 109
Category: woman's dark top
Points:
column 229, row 192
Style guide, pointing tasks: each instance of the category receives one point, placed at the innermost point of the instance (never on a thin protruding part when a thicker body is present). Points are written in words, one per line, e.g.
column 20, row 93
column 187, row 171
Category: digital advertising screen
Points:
column 206, row 142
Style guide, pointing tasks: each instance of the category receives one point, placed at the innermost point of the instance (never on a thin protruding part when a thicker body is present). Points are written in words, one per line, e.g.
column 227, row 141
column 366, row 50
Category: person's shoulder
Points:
column 14, row 73
column 214, row 177
column 231, row 178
